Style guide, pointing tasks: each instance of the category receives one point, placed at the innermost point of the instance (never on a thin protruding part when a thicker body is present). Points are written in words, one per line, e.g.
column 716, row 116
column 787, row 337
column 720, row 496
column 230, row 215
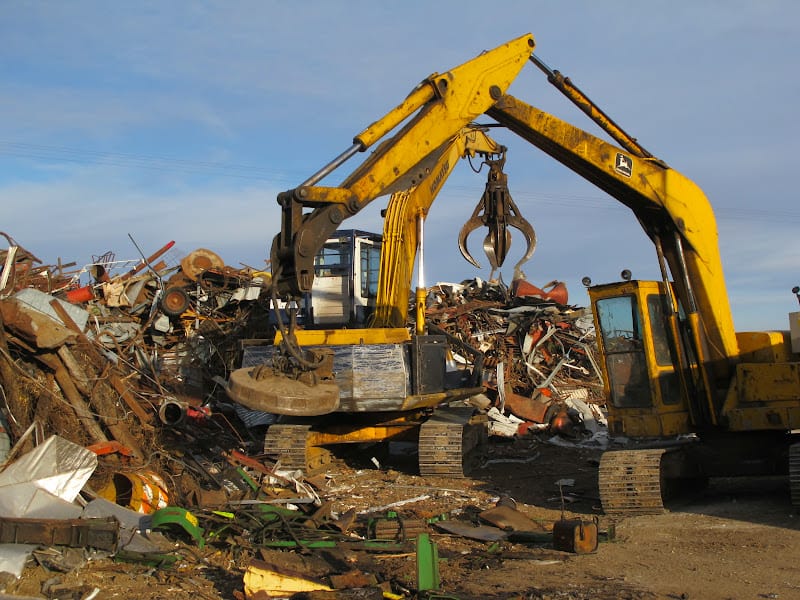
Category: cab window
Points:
column 625, row 361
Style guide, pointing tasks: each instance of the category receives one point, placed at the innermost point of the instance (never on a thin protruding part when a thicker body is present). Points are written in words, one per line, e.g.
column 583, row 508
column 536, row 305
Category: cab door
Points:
column 365, row 279
column 643, row 387
column 331, row 295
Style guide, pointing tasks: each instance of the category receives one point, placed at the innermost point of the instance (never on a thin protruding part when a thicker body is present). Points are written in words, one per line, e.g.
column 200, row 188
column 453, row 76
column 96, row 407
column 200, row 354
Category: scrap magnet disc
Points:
column 281, row 395
column 197, row 261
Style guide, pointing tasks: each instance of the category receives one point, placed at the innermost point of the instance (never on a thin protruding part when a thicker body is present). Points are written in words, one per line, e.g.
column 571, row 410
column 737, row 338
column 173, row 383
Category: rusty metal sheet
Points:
column 101, row 533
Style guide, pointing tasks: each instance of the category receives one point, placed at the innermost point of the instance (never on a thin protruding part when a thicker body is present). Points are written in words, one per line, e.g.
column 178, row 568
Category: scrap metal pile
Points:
column 112, row 378
column 112, row 353
column 539, row 351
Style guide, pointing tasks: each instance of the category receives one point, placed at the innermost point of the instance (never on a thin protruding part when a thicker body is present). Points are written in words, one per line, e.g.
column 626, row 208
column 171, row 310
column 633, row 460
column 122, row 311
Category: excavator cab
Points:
column 345, row 280
column 643, row 386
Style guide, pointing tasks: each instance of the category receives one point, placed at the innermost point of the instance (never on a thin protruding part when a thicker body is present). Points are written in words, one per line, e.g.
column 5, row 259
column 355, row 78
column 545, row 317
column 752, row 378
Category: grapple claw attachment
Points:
column 497, row 211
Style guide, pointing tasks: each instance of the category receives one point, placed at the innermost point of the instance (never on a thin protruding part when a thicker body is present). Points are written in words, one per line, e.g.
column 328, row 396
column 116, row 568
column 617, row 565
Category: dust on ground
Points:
column 736, row 539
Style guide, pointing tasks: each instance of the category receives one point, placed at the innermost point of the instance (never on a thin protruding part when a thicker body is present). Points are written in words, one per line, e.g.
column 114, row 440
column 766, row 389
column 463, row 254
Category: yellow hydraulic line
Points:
column 391, row 266
column 419, row 96
column 400, row 229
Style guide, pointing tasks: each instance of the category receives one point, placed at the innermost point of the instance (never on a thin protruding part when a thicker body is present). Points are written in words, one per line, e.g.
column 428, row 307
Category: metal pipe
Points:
column 333, row 165
column 421, row 293
column 692, row 308
column 594, row 112
column 172, row 412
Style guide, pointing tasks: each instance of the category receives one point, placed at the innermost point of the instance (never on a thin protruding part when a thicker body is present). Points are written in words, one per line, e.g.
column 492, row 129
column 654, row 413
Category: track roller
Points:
column 794, row 473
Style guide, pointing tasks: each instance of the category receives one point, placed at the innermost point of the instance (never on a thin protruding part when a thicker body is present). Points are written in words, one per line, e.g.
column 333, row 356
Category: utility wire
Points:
column 118, row 159
column 243, row 171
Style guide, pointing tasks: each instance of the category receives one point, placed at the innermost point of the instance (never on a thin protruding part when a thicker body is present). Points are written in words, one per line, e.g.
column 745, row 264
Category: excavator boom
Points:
column 438, row 108
column 665, row 203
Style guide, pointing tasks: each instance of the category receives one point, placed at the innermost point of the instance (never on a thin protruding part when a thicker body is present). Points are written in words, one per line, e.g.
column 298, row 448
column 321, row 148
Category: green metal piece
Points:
column 494, row 548
column 427, row 563
column 274, row 510
column 377, row 545
column 175, row 515
column 151, row 559
column 247, row 479
column 437, row 518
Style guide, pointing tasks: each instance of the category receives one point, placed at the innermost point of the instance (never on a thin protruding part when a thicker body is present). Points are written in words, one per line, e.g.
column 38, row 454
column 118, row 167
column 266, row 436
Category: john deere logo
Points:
column 623, row 165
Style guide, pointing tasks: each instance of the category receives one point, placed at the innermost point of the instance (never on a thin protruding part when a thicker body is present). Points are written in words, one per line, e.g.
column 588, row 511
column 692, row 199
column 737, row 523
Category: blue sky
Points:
column 183, row 120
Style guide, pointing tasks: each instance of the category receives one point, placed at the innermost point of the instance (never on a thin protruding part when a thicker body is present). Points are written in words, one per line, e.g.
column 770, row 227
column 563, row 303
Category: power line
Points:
column 254, row 172
column 135, row 161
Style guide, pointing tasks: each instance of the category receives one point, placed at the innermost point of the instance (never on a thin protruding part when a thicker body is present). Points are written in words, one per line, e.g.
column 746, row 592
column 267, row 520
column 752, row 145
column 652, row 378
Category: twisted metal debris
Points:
column 539, row 350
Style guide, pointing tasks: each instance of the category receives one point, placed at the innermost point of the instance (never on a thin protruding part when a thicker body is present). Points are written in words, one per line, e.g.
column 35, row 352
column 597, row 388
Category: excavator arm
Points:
column 407, row 207
column 673, row 212
column 671, row 209
column 437, row 108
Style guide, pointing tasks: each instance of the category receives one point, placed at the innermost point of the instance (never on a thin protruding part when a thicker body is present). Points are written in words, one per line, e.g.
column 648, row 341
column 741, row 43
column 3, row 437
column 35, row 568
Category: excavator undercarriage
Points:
column 450, row 441
column 644, row 480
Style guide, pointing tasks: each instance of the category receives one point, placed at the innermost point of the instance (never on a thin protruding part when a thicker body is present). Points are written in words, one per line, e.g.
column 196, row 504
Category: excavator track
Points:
column 290, row 445
column 630, row 482
column 451, row 443
column 794, row 473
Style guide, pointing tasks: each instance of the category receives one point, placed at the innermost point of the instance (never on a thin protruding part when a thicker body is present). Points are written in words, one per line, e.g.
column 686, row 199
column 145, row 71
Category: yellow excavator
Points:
column 698, row 399
column 354, row 405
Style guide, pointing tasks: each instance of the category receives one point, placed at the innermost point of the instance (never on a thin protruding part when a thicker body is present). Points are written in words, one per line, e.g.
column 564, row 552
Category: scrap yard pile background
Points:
column 124, row 364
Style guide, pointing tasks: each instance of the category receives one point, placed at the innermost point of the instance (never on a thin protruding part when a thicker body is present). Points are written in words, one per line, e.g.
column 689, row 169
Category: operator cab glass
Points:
column 334, row 259
column 370, row 256
column 626, row 364
column 346, row 279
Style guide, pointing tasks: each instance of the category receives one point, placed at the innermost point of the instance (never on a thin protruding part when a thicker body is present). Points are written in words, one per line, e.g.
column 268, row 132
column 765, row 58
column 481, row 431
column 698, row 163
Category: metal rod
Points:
column 540, row 63
column 686, row 377
column 148, row 260
column 662, row 264
column 593, row 111
column 421, row 262
column 692, row 308
column 333, row 165
column 698, row 340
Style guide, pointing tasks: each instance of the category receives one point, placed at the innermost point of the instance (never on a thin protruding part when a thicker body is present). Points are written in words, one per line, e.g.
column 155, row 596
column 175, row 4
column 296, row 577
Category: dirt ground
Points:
column 737, row 539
